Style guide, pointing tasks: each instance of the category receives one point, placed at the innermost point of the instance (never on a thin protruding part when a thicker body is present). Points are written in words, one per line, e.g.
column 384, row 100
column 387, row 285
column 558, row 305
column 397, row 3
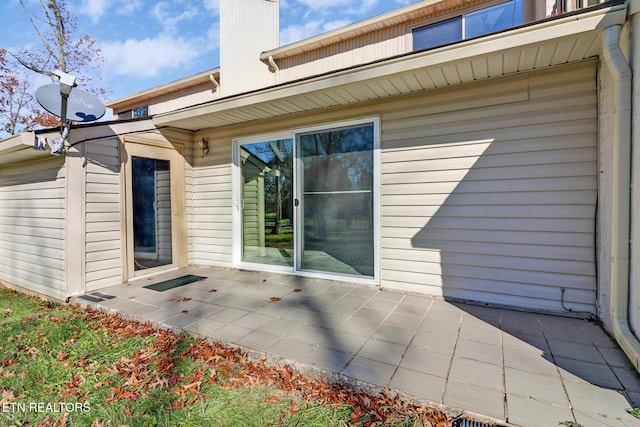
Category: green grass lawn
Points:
column 74, row 366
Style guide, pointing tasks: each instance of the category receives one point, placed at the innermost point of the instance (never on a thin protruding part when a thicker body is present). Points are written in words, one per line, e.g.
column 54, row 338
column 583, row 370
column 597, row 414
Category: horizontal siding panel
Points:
column 102, row 187
column 505, row 173
column 212, row 241
column 490, row 160
column 461, row 149
column 494, row 198
column 32, row 226
column 217, row 222
column 45, row 281
column 10, row 228
column 508, row 211
column 94, row 227
column 103, row 279
column 104, row 245
column 101, row 265
column 43, row 262
column 503, row 249
column 103, row 236
column 495, row 204
column 423, row 237
column 107, row 198
column 492, row 261
column 417, row 137
column 29, row 243
column 492, row 224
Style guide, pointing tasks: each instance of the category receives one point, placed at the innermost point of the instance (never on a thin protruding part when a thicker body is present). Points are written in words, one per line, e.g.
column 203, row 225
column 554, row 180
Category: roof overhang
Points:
column 561, row 40
column 144, row 96
column 19, row 148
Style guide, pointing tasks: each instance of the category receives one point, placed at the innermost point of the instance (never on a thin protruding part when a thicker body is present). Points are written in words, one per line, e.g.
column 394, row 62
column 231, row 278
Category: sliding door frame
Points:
column 298, row 211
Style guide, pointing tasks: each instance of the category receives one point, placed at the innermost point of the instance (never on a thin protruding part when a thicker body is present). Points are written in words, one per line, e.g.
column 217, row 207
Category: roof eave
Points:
column 145, row 95
column 267, row 101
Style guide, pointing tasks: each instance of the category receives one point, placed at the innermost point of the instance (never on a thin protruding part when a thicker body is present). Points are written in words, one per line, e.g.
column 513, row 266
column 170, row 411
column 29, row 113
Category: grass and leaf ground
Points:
column 66, row 365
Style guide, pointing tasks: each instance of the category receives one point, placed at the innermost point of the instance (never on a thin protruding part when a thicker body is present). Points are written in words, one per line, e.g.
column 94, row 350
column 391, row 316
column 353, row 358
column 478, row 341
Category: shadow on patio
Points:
column 522, row 368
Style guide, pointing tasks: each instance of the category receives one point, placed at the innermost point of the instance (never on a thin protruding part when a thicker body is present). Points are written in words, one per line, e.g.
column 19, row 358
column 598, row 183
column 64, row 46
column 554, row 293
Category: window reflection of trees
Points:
column 338, row 195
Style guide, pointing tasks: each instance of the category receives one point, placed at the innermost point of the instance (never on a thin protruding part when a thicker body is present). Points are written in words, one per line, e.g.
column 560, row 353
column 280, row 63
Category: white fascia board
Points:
column 17, row 142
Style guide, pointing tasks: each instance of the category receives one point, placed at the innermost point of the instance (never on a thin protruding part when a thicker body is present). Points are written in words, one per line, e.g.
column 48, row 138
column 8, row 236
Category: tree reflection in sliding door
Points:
column 337, row 198
column 267, row 202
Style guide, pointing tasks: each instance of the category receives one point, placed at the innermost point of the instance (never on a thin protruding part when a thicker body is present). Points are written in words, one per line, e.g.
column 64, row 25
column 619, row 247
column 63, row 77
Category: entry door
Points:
column 154, row 217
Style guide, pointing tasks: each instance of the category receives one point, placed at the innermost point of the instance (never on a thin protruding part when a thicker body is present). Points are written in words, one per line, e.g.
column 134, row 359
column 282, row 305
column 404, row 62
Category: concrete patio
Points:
column 502, row 366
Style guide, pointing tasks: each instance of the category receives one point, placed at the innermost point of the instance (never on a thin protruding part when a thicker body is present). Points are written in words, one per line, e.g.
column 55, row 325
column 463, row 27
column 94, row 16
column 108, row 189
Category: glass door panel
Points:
column 267, row 202
column 151, row 194
column 336, row 182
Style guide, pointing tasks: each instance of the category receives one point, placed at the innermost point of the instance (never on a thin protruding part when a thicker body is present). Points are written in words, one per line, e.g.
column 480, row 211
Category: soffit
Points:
column 546, row 44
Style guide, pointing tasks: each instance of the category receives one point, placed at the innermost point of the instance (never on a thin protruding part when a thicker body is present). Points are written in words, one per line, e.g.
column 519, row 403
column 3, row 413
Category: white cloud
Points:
column 166, row 14
column 95, row 9
column 346, row 6
column 149, row 57
column 293, row 33
column 212, row 6
column 128, row 7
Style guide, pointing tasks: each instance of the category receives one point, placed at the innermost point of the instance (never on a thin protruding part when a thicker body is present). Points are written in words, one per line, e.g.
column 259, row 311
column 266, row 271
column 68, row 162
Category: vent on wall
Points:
column 464, row 422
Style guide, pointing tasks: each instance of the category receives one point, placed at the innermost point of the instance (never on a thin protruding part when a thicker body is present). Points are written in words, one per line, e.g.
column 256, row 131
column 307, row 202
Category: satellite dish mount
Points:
column 59, row 100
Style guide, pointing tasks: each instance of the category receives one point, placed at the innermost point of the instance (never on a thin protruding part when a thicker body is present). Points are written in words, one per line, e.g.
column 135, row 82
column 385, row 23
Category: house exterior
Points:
column 470, row 150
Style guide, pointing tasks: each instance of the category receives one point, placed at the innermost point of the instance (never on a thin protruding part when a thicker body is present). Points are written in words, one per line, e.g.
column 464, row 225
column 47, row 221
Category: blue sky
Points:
column 149, row 43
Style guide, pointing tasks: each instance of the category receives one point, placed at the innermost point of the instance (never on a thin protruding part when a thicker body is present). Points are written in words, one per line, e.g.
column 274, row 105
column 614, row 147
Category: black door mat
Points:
column 96, row 297
column 174, row 283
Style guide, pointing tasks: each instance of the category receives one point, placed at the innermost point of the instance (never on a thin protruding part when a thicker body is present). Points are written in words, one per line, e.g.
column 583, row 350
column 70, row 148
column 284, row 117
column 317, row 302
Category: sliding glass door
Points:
column 306, row 202
column 267, row 202
column 336, row 195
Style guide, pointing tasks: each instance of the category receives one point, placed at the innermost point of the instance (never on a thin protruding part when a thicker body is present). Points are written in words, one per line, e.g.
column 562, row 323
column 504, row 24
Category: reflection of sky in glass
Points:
column 264, row 150
column 494, row 18
column 484, row 21
column 438, row 34
column 328, row 156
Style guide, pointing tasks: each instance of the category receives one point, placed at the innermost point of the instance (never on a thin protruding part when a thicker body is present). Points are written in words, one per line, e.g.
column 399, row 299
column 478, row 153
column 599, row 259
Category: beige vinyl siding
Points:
column 32, row 226
column 488, row 189
column 366, row 48
column 212, row 200
column 103, row 259
column 163, row 214
column 496, row 204
column 195, row 95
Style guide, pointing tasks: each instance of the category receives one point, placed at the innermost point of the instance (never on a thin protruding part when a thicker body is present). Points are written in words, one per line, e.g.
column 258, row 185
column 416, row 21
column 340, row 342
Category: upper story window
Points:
column 135, row 113
column 142, row 111
column 472, row 24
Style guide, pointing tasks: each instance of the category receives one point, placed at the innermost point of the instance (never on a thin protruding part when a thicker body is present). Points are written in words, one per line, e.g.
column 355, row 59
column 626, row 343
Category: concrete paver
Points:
column 510, row 367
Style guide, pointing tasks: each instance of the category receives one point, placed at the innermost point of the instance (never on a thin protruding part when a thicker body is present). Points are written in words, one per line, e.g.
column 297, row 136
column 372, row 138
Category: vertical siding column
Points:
column 75, row 220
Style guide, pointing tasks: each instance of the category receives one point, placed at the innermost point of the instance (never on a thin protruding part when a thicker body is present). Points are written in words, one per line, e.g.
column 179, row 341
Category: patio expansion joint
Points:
column 555, row 363
column 504, row 376
column 446, row 384
column 408, row 345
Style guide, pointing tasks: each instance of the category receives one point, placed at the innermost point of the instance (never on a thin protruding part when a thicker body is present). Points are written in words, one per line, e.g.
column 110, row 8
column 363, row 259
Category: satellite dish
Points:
column 81, row 105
